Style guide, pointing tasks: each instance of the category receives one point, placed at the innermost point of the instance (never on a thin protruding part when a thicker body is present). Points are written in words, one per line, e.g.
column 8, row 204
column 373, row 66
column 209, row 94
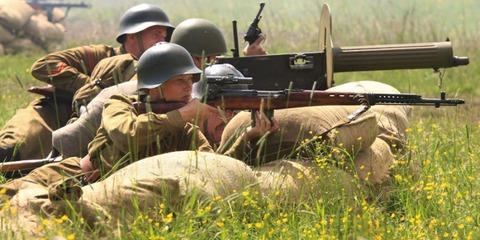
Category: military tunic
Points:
column 28, row 133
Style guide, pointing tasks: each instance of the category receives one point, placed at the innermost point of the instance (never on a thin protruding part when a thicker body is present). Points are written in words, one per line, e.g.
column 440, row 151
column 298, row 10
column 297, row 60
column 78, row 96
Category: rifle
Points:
column 48, row 6
column 220, row 92
column 307, row 69
column 254, row 31
column 23, row 165
column 49, row 91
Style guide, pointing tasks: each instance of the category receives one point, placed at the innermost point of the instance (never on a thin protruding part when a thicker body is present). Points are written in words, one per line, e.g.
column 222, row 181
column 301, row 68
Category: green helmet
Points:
column 141, row 17
column 197, row 35
column 162, row 62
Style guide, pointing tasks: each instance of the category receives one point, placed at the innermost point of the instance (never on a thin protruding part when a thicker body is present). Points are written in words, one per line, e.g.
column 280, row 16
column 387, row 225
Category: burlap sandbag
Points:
column 57, row 15
column 43, row 32
column 14, row 13
column 5, row 35
column 300, row 180
column 170, row 178
column 392, row 120
column 373, row 164
column 299, row 126
column 72, row 140
column 21, row 45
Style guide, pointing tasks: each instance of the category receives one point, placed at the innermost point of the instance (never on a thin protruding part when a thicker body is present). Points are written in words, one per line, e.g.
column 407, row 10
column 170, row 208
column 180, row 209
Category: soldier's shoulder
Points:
column 117, row 59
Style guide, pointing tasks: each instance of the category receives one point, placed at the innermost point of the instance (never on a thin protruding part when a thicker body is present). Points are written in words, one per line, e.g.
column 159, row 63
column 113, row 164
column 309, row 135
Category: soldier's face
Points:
column 137, row 43
column 178, row 89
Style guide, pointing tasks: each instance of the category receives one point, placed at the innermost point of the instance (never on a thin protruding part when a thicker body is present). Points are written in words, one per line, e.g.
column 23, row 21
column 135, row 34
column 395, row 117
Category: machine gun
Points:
column 48, row 6
column 275, row 72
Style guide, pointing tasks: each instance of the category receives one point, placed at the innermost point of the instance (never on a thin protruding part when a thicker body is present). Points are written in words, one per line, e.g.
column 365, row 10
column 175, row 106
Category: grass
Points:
column 435, row 180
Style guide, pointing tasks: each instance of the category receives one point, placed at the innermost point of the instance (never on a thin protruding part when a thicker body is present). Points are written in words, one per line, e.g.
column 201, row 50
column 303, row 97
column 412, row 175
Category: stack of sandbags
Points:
column 43, row 32
column 14, row 14
column 24, row 29
column 368, row 142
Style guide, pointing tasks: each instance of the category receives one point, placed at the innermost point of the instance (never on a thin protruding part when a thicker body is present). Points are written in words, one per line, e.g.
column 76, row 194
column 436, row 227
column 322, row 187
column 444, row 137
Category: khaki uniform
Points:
column 123, row 137
column 28, row 133
column 110, row 71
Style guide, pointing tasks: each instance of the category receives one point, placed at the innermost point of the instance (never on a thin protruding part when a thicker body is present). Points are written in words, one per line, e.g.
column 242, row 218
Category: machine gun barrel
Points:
column 396, row 56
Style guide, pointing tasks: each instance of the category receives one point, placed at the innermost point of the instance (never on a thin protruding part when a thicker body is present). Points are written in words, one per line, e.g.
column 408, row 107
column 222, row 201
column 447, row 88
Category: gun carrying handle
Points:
column 268, row 113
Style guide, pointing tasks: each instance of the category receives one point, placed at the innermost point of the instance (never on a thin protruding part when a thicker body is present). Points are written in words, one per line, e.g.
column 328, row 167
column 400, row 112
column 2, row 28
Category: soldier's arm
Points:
column 125, row 126
column 108, row 72
column 70, row 69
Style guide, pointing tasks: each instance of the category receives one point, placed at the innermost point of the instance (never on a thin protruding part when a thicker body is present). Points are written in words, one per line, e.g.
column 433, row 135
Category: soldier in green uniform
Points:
column 28, row 134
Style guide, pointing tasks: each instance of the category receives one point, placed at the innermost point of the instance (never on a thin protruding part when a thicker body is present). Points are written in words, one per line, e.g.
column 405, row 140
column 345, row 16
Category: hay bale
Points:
column 43, row 32
column 14, row 14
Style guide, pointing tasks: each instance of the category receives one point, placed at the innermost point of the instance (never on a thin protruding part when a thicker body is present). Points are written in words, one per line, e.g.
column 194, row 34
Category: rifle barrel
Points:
column 25, row 164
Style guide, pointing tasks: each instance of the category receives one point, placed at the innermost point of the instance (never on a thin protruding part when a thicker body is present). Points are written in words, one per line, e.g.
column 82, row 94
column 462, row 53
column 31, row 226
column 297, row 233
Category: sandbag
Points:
column 57, row 15
column 5, row 35
column 298, row 125
column 20, row 45
column 168, row 178
column 43, row 32
column 72, row 140
column 301, row 181
column 392, row 120
column 373, row 163
column 14, row 13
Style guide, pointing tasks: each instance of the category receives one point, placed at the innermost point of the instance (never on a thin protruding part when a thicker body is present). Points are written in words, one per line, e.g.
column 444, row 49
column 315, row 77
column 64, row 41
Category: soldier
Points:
column 197, row 36
column 166, row 73
column 28, row 134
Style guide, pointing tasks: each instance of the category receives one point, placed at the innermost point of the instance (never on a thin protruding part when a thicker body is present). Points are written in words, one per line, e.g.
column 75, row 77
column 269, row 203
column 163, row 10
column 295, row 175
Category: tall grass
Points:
column 435, row 181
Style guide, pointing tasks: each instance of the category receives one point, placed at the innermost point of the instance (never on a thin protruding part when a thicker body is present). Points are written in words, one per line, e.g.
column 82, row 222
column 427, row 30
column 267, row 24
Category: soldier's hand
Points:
column 196, row 112
column 263, row 126
column 256, row 47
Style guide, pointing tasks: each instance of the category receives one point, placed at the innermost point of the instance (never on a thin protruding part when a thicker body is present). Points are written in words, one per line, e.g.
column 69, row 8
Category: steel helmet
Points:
column 199, row 88
column 162, row 62
column 198, row 35
column 141, row 17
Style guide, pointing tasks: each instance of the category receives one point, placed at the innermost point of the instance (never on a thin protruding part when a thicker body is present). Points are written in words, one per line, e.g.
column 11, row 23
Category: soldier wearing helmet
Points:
column 82, row 72
column 203, row 38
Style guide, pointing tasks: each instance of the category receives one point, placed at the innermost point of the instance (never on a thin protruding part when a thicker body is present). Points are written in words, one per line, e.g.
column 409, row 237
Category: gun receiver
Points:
column 48, row 6
column 253, row 30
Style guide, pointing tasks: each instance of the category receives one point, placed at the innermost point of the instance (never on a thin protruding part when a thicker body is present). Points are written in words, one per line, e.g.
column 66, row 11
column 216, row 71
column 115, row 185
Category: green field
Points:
column 435, row 193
